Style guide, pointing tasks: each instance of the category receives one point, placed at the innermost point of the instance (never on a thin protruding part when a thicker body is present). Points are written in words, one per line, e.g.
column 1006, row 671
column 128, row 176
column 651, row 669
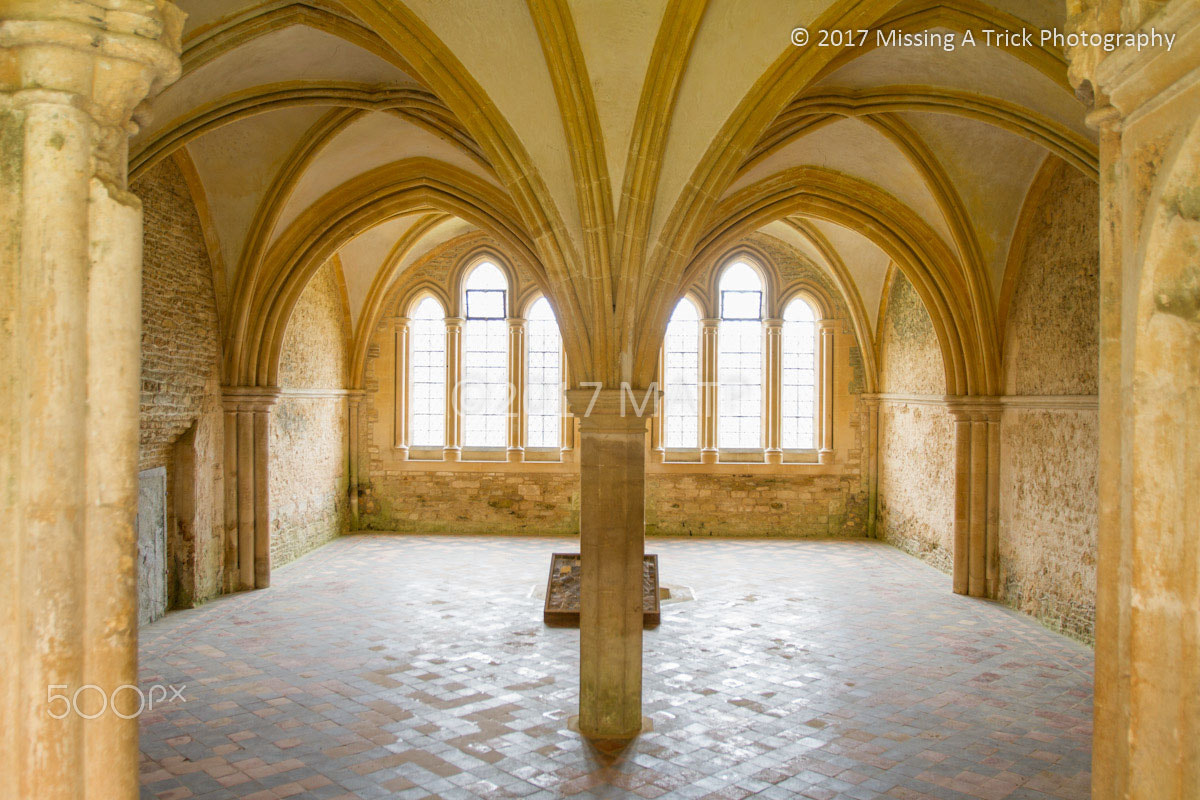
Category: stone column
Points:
column 976, row 496
column 452, row 451
column 612, row 497
column 70, row 305
column 401, row 390
column 353, row 409
column 773, row 407
column 248, row 477
column 825, row 344
column 709, row 348
column 1146, row 743
column 516, row 389
column 871, row 445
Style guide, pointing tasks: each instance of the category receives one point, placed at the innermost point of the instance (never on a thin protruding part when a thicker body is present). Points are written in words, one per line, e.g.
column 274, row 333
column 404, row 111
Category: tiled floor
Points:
column 400, row 666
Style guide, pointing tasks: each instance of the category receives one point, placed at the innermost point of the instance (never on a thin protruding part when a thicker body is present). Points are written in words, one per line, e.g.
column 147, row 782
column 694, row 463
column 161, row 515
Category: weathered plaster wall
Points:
column 916, row 437
column 180, row 379
column 309, row 431
column 1049, row 454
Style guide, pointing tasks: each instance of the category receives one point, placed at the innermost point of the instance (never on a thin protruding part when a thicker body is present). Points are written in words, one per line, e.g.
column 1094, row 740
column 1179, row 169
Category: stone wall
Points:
column 916, row 437
column 1050, row 450
column 808, row 500
column 916, row 481
column 441, row 501
column 181, row 356
column 309, row 430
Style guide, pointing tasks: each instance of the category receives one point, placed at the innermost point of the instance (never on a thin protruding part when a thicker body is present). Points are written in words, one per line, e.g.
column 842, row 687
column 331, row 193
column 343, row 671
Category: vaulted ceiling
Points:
column 617, row 146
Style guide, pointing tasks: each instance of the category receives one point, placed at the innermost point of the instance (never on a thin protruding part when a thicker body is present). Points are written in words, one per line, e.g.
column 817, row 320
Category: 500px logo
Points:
column 70, row 704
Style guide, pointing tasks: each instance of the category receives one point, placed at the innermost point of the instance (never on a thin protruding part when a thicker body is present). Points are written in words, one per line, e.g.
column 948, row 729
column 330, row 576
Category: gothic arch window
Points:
column 740, row 359
column 798, row 381
column 485, row 384
column 543, row 377
column 427, row 374
column 681, row 377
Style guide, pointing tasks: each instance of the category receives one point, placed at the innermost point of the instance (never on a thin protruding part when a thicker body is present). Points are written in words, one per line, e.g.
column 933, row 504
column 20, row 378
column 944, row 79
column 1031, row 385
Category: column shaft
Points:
column 230, row 461
column 612, row 543
column 245, row 501
column 113, row 381
column 353, row 405
column 262, row 503
column 46, row 413
column 962, row 504
column 977, row 575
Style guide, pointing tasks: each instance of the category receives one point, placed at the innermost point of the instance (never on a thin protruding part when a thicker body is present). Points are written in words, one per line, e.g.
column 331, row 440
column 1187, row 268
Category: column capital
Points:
column 1121, row 81
column 454, row 323
column 624, row 410
column 516, row 323
column 249, row 398
column 975, row 408
column 401, row 323
column 828, row 325
column 773, row 324
column 710, row 323
column 104, row 58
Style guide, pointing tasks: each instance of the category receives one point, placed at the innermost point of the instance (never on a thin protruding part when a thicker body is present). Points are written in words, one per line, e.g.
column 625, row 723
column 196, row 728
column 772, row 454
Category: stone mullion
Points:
column 517, row 382
column 773, row 386
column 402, row 388
column 658, row 431
column 709, row 343
column 453, row 447
column 825, row 415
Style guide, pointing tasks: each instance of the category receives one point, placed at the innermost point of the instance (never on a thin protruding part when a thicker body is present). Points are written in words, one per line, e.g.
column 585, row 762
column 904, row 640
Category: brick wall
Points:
column 180, row 376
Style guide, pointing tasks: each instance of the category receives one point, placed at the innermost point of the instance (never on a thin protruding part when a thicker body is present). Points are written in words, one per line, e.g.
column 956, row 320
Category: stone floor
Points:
column 403, row 666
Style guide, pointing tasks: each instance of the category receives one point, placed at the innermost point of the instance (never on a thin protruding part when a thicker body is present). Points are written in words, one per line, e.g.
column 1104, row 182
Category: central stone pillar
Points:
column 612, row 521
